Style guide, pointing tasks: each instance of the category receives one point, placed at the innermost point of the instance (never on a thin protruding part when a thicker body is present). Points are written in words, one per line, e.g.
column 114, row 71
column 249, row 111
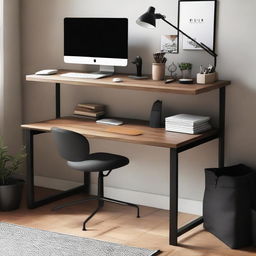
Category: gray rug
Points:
column 21, row 241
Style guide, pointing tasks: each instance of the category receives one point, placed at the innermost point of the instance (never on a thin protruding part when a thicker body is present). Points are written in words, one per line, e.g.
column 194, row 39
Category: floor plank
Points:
column 115, row 223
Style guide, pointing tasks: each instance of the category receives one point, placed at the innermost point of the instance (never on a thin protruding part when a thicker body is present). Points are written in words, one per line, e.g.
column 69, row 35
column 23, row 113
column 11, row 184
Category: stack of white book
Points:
column 185, row 123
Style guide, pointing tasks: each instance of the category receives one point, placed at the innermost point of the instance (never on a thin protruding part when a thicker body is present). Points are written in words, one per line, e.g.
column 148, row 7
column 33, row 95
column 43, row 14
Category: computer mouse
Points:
column 117, row 80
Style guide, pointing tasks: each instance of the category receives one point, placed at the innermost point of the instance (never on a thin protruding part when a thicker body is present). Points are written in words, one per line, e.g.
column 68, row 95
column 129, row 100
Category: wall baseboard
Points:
column 137, row 197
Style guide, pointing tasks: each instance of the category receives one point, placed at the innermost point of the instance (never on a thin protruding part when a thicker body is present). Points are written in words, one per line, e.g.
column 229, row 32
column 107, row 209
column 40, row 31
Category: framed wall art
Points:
column 198, row 19
column 169, row 43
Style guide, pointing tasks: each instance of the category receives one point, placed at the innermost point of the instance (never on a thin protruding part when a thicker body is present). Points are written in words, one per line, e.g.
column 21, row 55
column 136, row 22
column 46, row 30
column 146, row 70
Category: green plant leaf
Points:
column 9, row 165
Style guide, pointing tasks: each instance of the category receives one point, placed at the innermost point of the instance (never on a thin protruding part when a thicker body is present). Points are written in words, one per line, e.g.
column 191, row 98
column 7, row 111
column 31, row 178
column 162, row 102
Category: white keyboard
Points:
column 83, row 75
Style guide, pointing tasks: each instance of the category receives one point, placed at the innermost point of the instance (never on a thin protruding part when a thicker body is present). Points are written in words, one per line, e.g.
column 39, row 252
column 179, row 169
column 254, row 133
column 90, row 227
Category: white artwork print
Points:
column 197, row 21
column 169, row 43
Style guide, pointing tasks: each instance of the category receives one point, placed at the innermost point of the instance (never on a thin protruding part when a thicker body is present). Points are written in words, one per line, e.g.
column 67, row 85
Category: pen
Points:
column 168, row 81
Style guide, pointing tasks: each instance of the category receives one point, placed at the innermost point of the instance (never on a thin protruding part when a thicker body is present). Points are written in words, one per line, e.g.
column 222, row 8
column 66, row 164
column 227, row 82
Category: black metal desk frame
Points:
column 174, row 231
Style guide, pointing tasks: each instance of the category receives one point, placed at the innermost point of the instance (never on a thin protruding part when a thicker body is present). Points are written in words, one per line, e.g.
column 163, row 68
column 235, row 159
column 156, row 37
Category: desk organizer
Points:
column 158, row 71
column 206, row 78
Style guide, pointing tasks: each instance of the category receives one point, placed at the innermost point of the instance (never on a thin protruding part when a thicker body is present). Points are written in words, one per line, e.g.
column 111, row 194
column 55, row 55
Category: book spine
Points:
column 85, row 109
column 86, row 117
column 83, row 113
column 91, row 107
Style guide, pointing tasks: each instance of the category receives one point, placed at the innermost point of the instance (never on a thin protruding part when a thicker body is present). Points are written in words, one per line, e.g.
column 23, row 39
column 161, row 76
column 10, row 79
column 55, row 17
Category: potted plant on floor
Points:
column 10, row 187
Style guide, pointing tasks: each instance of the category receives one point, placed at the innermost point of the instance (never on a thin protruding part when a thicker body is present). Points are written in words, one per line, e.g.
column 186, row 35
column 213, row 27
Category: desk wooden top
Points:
column 151, row 136
column 131, row 84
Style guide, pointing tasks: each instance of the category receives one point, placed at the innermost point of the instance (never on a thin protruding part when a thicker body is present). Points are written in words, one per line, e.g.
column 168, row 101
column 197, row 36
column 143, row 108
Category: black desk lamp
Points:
column 148, row 20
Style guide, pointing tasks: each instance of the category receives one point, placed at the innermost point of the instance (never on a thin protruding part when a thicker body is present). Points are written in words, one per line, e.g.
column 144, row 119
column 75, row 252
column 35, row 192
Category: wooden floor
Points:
column 119, row 224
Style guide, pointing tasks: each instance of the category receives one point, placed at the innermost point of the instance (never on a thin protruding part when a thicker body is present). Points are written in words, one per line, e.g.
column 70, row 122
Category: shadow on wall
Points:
column 241, row 124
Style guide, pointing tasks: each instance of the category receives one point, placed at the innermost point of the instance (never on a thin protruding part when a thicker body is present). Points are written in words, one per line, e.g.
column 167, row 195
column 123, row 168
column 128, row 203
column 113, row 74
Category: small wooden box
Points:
column 206, row 78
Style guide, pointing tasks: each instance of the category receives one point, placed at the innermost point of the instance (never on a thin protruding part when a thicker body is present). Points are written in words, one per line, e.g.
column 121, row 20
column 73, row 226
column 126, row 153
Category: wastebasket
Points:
column 227, row 204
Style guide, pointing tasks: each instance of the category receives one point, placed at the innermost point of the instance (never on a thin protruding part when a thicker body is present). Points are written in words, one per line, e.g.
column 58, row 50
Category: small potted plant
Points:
column 10, row 187
column 185, row 69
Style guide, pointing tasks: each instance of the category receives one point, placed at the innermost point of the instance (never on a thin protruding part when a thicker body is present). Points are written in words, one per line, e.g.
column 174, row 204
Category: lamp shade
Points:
column 148, row 19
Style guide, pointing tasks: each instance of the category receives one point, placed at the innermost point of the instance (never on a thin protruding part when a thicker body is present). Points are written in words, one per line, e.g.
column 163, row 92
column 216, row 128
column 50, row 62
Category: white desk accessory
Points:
column 109, row 121
column 186, row 123
column 83, row 75
column 47, row 72
column 117, row 80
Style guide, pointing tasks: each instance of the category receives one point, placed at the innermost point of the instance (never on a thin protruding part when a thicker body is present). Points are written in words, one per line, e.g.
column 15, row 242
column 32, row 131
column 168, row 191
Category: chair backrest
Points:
column 71, row 145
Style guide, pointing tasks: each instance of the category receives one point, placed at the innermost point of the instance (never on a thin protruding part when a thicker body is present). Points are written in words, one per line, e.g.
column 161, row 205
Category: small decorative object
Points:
column 138, row 63
column 206, row 75
column 156, row 115
column 185, row 69
column 169, row 43
column 158, row 67
column 172, row 69
column 197, row 18
column 10, row 187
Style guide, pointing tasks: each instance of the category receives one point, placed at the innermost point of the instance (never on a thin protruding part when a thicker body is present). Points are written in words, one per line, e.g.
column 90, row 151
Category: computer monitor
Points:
column 98, row 41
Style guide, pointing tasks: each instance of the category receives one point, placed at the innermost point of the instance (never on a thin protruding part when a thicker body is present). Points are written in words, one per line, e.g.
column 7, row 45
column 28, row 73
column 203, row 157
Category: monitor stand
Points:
column 106, row 71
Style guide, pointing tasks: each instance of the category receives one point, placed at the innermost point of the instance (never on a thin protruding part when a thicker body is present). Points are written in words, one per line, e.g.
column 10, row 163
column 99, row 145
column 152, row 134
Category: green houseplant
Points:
column 185, row 69
column 10, row 187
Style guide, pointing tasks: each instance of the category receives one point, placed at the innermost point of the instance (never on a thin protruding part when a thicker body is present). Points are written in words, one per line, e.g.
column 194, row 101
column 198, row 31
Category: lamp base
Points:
column 138, row 77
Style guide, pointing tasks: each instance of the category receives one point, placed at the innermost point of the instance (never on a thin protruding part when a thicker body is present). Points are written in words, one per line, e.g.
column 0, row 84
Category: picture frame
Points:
column 197, row 18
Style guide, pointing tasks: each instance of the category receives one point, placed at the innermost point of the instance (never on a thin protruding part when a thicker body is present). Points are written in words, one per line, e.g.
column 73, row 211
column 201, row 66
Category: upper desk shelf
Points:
column 130, row 84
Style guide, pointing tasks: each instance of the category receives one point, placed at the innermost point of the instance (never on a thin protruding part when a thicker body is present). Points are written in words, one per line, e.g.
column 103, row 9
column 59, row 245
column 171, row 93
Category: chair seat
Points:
column 98, row 162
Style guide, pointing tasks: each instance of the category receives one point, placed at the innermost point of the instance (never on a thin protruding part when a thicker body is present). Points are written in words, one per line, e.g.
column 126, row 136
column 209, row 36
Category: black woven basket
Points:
column 227, row 205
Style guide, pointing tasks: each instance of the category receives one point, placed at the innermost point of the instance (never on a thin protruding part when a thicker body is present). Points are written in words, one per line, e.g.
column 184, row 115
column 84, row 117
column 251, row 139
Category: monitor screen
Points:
column 101, row 38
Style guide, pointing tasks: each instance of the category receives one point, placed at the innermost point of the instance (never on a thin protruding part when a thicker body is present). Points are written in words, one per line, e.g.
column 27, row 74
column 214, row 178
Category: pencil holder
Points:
column 206, row 78
column 158, row 71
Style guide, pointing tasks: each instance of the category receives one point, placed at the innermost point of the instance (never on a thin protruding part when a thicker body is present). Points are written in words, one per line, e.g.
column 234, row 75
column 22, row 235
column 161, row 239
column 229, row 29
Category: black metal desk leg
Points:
column 57, row 102
column 173, row 211
column 87, row 182
column 222, row 105
column 30, row 168
column 31, row 202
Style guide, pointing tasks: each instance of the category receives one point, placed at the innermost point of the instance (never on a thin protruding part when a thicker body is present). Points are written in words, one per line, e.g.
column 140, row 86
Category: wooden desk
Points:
column 151, row 136
column 176, row 142
column 130, row 84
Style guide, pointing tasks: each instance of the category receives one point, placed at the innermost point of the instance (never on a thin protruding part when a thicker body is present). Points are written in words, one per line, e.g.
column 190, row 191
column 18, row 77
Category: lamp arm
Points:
column 203, row 46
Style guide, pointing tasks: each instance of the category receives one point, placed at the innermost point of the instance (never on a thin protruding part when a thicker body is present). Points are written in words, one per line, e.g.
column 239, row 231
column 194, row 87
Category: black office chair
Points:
column 75, row 149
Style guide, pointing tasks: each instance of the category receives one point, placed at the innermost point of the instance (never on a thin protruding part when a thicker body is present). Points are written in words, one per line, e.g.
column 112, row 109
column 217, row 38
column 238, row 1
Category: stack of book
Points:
column 89, row 110
column 185, row 123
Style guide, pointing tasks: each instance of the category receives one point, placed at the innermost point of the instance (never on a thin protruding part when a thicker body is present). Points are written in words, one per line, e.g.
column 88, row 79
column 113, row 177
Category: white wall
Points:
column 1, row 67
column 10, row 78
column 42, row 47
